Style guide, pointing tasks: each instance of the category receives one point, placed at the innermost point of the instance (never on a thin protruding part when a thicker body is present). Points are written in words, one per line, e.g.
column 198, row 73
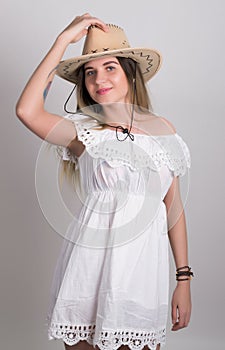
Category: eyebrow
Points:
column 104, row 64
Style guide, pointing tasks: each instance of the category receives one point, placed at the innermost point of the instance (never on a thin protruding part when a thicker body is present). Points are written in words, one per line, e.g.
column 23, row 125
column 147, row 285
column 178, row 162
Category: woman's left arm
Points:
column 181, row 299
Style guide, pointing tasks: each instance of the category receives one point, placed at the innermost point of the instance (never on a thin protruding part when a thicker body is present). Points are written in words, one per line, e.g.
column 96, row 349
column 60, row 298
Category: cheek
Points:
column 124, row 85
column 88, row 86
column 121, row 80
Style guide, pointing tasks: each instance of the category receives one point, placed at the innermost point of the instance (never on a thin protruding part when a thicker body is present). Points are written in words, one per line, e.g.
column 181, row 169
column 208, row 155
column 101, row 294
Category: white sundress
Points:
column 111, row 281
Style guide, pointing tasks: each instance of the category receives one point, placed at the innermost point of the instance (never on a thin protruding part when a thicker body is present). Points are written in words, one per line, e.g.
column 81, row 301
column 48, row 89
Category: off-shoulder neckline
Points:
column 136, row 134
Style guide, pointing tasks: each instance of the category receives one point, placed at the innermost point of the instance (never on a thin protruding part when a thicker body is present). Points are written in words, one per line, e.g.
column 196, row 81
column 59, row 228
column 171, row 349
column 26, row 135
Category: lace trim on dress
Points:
column 108, row 340
column 169, row 150
column 63, row 152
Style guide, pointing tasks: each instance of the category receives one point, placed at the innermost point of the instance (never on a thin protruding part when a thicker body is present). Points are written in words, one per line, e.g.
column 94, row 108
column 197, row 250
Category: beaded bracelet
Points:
column 181, row 273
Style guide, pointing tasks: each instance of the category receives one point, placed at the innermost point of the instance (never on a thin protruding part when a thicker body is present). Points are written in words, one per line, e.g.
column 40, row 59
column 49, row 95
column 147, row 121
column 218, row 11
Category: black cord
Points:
column 67, row 100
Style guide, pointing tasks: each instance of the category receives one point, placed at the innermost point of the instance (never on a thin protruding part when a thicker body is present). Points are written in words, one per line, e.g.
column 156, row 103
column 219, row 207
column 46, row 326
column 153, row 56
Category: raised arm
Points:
column 30, row 106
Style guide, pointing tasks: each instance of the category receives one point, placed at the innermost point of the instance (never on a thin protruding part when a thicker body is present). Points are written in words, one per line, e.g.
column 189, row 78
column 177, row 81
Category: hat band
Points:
column 104, row 49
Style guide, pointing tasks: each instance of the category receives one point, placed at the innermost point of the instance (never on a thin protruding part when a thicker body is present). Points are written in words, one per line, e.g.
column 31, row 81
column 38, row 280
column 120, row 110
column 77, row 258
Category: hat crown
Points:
column 99, row 41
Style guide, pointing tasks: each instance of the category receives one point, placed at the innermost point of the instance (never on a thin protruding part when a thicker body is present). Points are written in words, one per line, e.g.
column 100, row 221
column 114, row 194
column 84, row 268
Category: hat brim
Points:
column 149, row 60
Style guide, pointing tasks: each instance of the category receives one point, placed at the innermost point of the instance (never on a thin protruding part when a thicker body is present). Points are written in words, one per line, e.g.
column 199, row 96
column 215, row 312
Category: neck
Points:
column 117, row 114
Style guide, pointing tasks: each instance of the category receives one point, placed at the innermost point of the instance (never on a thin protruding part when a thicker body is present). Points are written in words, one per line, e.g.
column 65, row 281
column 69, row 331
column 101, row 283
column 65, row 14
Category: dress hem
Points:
column 107, row 339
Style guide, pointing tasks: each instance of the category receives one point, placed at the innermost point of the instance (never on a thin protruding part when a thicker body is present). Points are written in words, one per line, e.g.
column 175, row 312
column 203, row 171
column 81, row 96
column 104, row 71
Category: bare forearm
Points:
column 178, row 241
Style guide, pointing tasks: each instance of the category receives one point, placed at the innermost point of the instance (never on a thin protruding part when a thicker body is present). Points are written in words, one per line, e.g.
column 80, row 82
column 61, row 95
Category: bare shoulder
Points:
column 158, row 125
column 168, row 124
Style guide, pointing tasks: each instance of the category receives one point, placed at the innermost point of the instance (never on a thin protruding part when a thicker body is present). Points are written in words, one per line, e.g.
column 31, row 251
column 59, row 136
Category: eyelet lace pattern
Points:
column 108, row 340
column 169, row 150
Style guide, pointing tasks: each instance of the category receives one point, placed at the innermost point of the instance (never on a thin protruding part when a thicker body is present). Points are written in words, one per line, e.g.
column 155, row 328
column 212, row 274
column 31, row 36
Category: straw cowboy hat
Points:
column 112, row 43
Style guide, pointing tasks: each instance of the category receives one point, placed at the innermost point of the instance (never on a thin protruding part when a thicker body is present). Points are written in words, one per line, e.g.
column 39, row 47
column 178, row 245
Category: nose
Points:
column 100, row 77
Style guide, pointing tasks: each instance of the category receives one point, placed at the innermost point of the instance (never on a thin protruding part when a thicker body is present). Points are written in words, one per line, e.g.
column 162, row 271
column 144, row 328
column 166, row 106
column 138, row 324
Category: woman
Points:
column 110, row 287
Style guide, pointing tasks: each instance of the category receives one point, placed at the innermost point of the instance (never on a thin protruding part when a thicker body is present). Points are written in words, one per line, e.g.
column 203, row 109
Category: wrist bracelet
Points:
column 183, row 272
column 183, row 267
column 183, row 279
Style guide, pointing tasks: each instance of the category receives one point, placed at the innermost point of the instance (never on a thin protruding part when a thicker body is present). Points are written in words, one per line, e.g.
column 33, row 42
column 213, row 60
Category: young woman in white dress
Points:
column 110, row 76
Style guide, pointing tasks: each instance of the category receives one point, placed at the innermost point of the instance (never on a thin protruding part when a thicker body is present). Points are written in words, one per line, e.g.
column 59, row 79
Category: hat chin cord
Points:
column 118, row 127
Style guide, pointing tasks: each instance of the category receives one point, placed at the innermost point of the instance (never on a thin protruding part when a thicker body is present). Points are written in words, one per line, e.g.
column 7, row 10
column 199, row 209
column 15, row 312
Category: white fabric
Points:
column 111, row 281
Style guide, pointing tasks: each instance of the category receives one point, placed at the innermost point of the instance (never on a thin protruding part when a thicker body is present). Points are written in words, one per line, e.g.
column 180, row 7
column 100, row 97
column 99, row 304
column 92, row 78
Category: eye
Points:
column 110, row 68
column 89, row 73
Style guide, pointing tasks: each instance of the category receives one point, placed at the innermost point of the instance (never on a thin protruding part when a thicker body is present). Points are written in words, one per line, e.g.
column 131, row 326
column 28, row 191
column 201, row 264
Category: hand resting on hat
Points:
column 79, row 26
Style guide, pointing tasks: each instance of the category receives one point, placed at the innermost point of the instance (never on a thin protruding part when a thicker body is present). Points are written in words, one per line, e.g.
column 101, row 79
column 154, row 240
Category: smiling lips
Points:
column 103, row 91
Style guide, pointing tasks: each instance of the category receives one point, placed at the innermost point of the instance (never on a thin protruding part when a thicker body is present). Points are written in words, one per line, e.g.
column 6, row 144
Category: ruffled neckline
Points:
column 136, row 134
column 146, row 151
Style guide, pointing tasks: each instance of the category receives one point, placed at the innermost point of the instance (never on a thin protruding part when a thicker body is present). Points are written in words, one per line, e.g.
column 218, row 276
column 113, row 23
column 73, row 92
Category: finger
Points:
column 100, row 25
column 174, row 314
column 187, row 318
column 178, row 318
column 175, row 326
column 182, row 322
column 81, row 35
column 95, row 21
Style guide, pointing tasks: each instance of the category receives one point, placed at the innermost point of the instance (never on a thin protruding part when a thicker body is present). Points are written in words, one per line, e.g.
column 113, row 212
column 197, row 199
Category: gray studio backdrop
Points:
column 189, row 91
